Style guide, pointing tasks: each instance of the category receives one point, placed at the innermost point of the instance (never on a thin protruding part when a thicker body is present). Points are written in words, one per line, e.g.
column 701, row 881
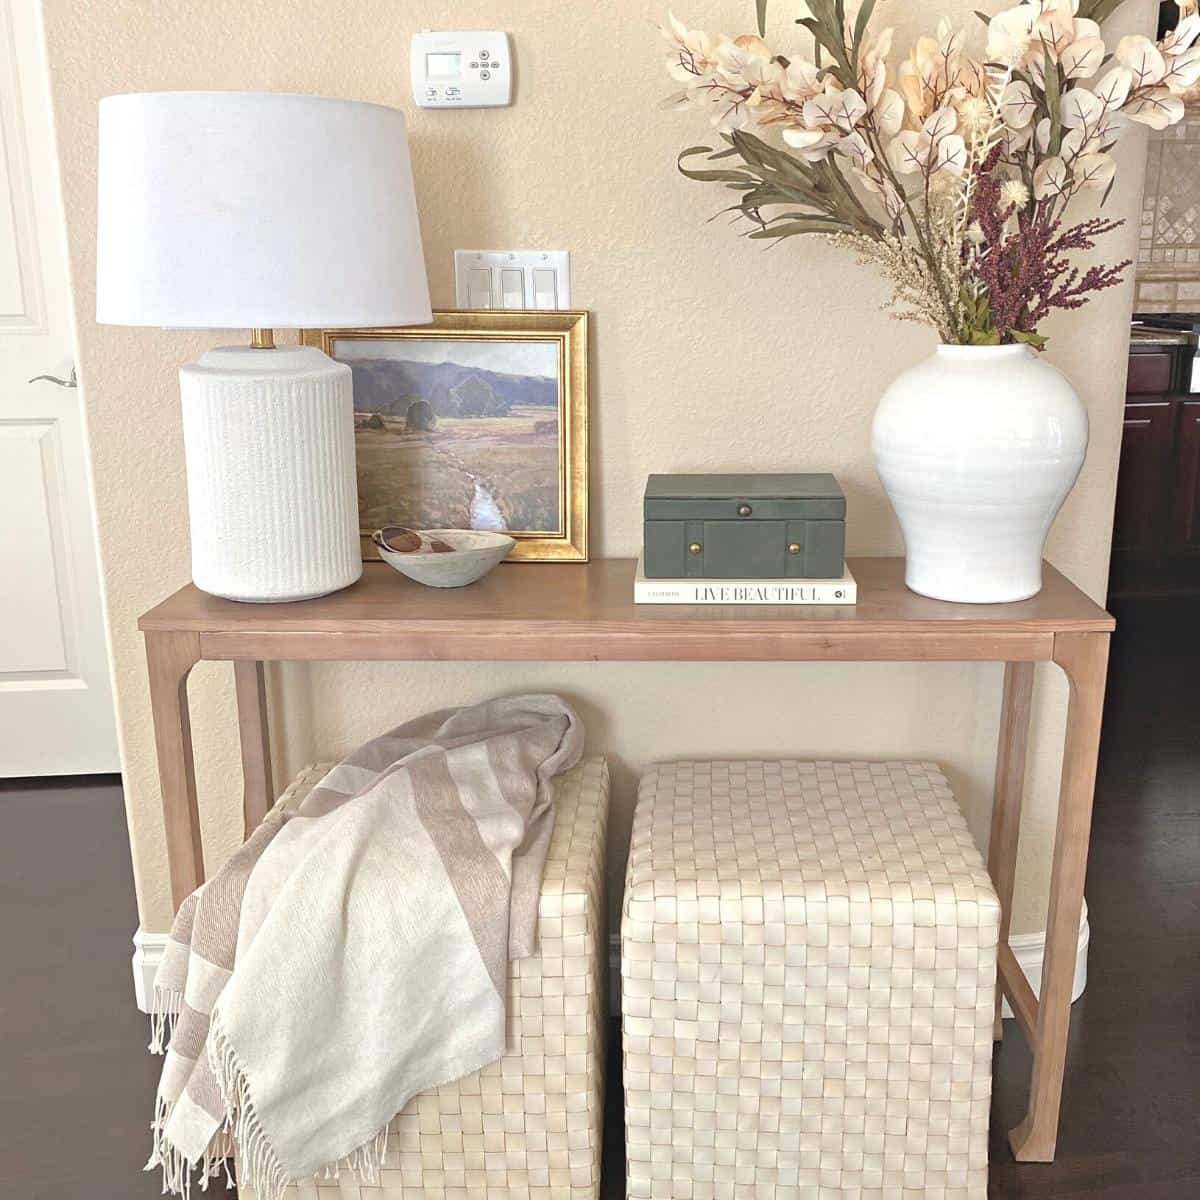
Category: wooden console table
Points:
column 569, row 612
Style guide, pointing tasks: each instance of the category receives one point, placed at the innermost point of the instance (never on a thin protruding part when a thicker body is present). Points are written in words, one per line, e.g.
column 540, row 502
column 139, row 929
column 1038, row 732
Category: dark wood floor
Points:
column 76, row 1083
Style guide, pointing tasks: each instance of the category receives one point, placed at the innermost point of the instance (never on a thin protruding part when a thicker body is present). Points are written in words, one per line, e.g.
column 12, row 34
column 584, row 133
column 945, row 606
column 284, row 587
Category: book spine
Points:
column 715, row 592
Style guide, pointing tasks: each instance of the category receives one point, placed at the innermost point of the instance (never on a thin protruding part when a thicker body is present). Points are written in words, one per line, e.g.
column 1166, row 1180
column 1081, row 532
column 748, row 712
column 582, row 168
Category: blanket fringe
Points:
column 177, row 1172
column 258, row 1165
column 165, row 1007
column 365, row 1162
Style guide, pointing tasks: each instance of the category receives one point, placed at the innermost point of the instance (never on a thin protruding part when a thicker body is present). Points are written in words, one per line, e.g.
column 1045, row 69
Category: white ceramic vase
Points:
column 978, row 447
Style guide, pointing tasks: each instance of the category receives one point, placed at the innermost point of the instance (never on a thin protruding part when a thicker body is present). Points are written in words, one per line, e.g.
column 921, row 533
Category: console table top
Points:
column 586, row 611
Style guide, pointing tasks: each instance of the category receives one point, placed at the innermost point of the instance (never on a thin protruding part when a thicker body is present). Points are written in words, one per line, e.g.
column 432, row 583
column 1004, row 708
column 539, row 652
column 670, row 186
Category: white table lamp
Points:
column 242, row 210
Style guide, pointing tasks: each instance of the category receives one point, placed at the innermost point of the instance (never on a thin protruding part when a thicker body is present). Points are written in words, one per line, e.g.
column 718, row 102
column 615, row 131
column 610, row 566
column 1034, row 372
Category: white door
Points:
column 56, row 711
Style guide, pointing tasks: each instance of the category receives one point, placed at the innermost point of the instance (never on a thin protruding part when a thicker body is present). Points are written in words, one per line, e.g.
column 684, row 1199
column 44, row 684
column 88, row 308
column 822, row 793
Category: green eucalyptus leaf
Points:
column 831, row 14
column 800, row 215
column 794, row 228
column 981, row 337
column 1036, row 340
column 831, row 42
column 816, row 197
column 762, row 17
column 760, row 197
column 1098, row 10
column 815, row 28
column 1053, row 91
column 754, row 150
column 733, row 178
column 736, row 208
column 738, row 179
column 860, row 26
column 710, row 176
column 772, row 159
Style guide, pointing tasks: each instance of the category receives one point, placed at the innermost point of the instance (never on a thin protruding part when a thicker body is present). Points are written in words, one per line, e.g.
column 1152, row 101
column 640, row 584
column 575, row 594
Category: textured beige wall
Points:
column 709, row 353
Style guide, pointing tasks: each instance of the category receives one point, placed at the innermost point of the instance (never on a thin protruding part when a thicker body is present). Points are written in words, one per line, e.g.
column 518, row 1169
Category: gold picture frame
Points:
column 421, row 462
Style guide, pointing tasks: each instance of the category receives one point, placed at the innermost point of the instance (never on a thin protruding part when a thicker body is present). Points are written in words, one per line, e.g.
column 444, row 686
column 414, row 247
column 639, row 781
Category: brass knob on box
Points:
column 695, row 548
column 744, row 510
column 793, row 547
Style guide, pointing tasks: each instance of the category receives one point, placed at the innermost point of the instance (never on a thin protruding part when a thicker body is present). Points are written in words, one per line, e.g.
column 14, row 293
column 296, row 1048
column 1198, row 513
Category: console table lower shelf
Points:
column 585, row 612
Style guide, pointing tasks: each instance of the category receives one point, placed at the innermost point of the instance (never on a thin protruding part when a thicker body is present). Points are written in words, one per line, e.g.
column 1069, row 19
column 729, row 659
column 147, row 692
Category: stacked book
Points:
column 843, row 590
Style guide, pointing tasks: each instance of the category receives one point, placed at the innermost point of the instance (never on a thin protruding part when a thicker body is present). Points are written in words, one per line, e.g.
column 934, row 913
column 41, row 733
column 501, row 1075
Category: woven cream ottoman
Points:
column 528, row 1127
column 808, row 968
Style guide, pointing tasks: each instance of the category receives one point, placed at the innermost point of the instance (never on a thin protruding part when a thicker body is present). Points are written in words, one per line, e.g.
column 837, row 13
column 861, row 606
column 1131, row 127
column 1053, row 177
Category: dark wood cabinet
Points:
column 1138, row 527
column 1150, row 373
column 1185, row 524
column 1156, row 527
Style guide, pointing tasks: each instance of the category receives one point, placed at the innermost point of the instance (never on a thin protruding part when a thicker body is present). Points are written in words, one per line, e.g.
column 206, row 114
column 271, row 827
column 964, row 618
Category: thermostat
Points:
column 461, row 70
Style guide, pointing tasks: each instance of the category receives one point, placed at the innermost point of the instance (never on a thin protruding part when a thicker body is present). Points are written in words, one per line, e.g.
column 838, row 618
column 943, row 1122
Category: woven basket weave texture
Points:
column 529, row 1126
column 808, row 969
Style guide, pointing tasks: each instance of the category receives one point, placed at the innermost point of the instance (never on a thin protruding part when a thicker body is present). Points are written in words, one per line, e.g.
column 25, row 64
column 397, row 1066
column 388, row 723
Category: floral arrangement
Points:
column 952, row 172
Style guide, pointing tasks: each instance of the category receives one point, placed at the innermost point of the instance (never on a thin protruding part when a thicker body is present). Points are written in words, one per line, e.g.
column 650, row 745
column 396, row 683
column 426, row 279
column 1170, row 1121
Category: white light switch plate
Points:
column 512, row 279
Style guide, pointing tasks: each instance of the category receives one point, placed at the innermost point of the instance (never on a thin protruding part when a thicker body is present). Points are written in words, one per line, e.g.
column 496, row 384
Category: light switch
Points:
column 512, row 288
column 538, row 279
column 480, row 288
column 543, row 289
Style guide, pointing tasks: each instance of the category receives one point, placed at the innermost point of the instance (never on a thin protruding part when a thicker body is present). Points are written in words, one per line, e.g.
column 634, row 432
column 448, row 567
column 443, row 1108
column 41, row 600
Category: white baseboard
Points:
column 1029, row 949
column 147, row 954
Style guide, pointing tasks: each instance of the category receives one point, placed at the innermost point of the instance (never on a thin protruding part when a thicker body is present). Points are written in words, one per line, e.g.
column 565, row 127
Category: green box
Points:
column 744, row 527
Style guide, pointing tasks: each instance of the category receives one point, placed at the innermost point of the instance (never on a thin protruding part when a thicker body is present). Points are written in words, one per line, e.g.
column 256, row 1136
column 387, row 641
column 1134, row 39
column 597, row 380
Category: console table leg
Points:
column 1084, row 659
column 1009, row 790
column 258, row 790
column 169, row 659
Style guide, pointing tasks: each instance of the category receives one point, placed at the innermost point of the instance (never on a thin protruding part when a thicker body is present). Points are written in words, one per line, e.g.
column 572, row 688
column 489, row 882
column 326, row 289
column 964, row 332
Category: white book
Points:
column 744, row 591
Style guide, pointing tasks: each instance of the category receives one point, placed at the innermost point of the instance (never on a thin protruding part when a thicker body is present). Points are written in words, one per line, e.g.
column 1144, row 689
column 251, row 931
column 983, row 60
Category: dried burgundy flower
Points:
column 1026, row 270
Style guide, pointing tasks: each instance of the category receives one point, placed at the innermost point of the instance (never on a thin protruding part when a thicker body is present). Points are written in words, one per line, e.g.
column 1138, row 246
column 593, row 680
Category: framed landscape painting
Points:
column 476, row 421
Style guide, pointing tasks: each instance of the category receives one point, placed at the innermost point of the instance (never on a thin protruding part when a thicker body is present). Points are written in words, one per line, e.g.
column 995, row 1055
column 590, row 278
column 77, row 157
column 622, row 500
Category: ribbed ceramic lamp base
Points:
column 272, row 496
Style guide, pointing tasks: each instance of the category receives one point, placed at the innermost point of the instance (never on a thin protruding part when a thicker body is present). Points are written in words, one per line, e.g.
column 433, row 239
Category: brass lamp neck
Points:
column 262, row 339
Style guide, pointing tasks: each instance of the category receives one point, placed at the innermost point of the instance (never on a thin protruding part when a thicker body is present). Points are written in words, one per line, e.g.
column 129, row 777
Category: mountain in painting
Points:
column 389, row 386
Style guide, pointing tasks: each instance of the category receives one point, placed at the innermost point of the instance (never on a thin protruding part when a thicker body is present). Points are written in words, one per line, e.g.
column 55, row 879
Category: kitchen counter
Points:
column 1142, row 335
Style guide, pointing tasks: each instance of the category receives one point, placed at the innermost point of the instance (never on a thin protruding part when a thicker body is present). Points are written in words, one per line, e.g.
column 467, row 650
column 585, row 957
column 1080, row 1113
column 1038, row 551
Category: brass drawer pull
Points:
column 695, row 548
column 793, row 547
column 744, row 510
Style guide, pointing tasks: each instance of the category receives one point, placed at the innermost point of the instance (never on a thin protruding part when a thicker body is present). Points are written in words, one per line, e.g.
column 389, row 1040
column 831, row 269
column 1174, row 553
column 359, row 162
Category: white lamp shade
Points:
column 239, row 210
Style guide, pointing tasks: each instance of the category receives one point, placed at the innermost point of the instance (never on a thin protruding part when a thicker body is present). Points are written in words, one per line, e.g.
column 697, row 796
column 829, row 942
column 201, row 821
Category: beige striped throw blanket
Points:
column 355, row 952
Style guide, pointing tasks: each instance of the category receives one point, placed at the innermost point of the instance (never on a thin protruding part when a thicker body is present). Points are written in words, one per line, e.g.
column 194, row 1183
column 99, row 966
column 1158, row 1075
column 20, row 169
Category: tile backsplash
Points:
column 1168, row 266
